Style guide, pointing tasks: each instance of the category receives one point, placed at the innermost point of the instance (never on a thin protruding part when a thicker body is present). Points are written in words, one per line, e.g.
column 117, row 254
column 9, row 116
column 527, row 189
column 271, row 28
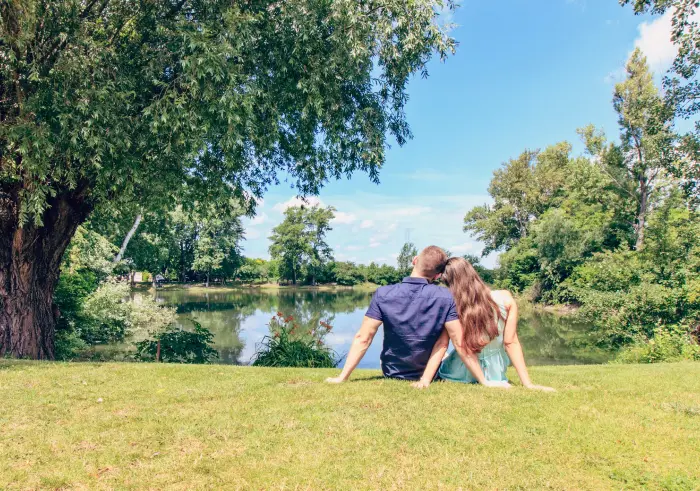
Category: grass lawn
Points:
column 134, row 426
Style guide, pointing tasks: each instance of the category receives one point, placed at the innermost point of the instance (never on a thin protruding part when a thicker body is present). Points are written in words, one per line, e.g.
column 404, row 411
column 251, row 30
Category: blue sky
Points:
column 526, row 74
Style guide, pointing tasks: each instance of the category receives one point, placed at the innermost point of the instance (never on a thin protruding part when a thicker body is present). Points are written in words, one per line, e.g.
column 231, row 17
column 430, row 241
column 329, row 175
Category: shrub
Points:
column 665, row 346
column 623, row 317
column 102, row 316
column 519, row 268
column 347, row 273
column 608, row 271
column 69, row 344
column 291, row 345
column 105, row 314
column 179, row 346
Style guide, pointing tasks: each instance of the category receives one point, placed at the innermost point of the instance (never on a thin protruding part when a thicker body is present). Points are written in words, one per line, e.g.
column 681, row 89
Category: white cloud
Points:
column 339, row 256
column 259, row 219
column 408, row 211
column 296, row 201
column 374, row 243
column 655, row 42
column 461, row 248
column 367, row 224
column 344, row 218
column 354, row 248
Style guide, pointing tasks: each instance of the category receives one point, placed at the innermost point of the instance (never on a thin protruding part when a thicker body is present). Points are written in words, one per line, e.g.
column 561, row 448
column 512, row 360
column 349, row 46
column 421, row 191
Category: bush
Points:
column 347, row 274
column 665, row 346
column 519, row 268
column 69, row 344
column 622, row 317
column 608, row 271
column 71, row 292
column 105, row 315
column 290, row 345
column 179, row 346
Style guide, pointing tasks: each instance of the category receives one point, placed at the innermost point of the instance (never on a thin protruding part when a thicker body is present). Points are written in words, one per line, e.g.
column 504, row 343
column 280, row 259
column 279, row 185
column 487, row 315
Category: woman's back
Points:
column 492, row 358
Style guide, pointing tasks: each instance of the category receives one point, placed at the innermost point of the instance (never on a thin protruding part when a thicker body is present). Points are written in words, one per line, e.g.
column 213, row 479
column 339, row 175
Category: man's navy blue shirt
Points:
column 414, row 313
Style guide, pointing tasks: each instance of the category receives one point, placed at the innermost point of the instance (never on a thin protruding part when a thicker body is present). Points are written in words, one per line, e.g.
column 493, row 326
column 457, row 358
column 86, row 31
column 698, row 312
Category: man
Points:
column 418, row 317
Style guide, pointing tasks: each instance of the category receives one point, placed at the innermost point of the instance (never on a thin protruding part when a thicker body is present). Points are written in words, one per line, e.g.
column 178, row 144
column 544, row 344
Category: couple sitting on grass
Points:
column 420, row 319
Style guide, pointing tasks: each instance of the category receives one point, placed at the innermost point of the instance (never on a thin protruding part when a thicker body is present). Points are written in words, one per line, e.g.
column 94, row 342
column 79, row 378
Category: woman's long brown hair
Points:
column 478, row 312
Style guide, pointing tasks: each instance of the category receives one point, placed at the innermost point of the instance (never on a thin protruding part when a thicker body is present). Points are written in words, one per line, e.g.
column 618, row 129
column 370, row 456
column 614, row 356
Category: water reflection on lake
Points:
column 239, row 318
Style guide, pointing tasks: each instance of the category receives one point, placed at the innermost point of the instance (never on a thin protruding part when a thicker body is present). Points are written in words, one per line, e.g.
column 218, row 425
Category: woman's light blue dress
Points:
column 493, row 359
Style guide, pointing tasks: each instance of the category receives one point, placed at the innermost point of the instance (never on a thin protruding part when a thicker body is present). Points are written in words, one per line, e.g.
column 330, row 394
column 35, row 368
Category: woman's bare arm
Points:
column 512, row 343
column 433, row 365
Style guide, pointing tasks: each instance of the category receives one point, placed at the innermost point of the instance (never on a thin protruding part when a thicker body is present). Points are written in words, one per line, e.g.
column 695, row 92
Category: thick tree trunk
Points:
column 207, row 284
column 30, row 258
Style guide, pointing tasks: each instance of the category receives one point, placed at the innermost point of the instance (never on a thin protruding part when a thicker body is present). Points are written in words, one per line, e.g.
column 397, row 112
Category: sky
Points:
column 526, row 74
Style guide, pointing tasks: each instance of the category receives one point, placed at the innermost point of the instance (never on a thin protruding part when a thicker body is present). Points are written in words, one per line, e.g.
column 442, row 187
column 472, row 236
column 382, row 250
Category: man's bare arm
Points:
column 362, row 341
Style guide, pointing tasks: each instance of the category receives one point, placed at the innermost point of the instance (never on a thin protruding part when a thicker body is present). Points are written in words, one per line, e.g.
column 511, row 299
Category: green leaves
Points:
column 522, row 190
column 103, row 97
column 300, row 241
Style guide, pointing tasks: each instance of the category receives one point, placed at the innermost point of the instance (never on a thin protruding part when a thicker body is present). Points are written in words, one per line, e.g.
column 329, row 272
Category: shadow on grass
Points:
column 373, row 378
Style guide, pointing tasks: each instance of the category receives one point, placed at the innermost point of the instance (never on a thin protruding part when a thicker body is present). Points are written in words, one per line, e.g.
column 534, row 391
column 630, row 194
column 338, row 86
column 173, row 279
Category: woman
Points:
column 490, row 322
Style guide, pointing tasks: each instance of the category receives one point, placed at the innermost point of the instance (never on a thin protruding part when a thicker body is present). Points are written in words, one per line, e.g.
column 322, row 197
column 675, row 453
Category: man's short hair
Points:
column 432, row 261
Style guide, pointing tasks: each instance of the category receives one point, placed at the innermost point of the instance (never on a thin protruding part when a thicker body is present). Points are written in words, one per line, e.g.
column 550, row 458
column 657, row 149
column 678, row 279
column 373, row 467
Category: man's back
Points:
column 413, row 313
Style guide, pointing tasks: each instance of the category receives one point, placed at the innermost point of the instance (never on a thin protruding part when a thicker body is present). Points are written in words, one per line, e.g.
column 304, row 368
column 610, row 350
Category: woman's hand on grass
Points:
column 420, row 385
column 335, row 380
column 542, row 388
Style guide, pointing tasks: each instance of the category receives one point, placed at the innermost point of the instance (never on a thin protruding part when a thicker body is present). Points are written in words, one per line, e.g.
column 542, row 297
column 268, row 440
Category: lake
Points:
column 238, row 319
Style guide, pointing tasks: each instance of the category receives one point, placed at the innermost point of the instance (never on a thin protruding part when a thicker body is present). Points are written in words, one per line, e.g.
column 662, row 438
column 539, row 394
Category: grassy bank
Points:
column 140, row 426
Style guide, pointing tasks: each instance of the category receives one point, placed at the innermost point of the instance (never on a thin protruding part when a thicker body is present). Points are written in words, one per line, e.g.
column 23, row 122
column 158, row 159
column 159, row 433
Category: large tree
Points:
column 122, row 100
column 318, row 224
column 217, row 248
column 522, row 190
column 646, row 135
column 299, row 242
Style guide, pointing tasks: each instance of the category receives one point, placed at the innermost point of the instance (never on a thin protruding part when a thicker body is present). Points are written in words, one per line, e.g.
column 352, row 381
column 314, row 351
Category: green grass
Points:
column 136, row 426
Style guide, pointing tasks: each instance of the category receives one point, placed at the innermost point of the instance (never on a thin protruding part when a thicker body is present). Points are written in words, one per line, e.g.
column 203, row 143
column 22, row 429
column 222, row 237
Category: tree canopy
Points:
column 299, row 242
